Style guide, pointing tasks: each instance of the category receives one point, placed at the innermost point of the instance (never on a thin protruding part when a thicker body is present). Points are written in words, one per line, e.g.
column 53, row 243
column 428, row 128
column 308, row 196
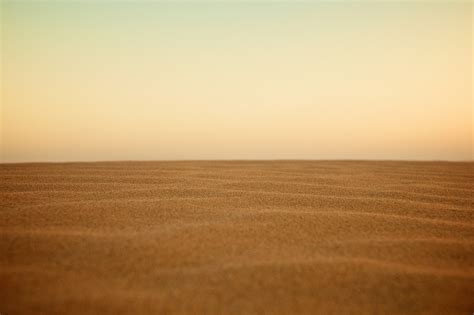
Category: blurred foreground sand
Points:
column 236, row 237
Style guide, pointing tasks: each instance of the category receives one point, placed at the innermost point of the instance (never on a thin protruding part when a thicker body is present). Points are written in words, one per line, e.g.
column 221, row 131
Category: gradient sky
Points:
column 108, row 80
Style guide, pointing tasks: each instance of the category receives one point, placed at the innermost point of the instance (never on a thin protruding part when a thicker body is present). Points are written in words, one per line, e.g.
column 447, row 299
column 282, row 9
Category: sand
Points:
column 269, row 237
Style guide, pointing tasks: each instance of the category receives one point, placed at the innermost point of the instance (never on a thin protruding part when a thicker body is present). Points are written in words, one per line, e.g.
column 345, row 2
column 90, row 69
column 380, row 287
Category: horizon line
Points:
column 238, row 160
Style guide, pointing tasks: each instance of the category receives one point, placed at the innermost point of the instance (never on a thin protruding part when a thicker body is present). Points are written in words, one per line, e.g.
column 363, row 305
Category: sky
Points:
column 172, row 80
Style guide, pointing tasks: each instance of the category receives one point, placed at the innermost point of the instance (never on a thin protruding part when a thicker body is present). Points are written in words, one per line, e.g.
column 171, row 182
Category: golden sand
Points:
column 236, row 237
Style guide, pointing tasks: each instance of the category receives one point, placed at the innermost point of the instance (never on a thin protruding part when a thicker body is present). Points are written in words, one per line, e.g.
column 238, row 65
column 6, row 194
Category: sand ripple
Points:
column 285, row 237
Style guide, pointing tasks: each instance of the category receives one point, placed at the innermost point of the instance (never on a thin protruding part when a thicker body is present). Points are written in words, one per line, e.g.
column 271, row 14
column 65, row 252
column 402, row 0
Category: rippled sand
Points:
column 237, row 238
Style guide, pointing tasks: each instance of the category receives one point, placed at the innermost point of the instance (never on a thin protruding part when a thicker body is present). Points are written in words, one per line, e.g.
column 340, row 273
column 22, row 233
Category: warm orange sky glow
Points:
column 106, row 80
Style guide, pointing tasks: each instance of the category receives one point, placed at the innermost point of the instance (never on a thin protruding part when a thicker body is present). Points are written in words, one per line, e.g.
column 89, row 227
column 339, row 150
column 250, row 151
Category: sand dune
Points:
column 286, row 237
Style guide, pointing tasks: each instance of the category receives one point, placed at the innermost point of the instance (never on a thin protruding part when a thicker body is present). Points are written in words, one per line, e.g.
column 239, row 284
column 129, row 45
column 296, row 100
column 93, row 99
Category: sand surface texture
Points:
column 237, row 238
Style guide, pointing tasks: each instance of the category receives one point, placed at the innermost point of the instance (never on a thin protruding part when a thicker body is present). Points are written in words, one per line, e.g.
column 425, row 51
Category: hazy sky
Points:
column 109, row 80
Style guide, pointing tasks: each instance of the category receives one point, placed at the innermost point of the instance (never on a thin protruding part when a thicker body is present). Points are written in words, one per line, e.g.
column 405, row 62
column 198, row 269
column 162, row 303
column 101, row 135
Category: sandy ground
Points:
column 237, row 238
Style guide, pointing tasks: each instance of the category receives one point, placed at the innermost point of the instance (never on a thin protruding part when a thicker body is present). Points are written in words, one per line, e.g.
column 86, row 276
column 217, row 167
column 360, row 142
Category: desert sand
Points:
column 237, row 237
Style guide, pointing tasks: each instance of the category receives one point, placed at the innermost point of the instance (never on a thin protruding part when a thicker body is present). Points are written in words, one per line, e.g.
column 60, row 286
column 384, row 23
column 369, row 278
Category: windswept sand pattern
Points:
column 283, row 237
